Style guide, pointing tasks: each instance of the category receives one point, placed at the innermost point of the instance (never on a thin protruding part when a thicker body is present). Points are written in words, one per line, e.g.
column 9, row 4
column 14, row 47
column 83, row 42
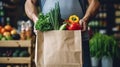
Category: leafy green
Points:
column 95, row 45
column 103, row 45
column 54, row 15
column 43, row 23
column 50, row 21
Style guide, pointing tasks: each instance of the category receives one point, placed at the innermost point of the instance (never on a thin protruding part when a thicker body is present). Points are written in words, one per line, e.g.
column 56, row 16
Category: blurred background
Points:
column 105, row 23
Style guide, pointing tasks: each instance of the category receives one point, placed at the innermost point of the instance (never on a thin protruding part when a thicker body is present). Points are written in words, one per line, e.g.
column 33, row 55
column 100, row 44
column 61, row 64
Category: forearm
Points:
column 92, row 10
column 31, row 10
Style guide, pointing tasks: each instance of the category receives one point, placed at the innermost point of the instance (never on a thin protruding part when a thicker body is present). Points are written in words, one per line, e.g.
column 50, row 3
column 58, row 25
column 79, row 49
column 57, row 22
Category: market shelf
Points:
column 15, row 43
column 15, row 60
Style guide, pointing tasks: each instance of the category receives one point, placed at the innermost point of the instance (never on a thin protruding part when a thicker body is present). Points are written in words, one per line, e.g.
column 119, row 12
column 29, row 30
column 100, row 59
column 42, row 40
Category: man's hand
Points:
column 90, row 13
column 34, row 18
column 83, row 24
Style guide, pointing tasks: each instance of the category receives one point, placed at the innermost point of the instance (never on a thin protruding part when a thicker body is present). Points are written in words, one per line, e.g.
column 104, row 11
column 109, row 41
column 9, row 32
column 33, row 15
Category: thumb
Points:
column 35, row 31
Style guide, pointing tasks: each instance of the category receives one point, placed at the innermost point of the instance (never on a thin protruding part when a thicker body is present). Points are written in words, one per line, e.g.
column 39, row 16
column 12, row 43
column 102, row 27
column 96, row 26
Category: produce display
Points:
column 14, row 49
column 13, row 52
column 52, row 21
column 9, row 33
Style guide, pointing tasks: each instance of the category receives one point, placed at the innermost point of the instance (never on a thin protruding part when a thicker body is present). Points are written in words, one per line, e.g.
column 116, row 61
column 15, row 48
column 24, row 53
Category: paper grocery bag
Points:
column 59, row 49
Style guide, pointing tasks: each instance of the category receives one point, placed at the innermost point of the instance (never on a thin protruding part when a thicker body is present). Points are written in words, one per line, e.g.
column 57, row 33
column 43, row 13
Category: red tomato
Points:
column 74, row 26
column 2, row 30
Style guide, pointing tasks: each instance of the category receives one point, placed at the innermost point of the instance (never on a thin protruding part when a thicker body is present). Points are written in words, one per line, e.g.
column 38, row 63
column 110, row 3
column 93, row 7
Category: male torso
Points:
column 67, row 8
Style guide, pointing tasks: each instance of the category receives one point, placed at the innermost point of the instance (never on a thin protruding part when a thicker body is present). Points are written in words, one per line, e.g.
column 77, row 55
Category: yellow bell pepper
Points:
column 74, row 19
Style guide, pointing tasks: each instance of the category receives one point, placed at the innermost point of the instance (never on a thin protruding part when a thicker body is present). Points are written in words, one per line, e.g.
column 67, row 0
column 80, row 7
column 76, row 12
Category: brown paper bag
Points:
column 59, row 49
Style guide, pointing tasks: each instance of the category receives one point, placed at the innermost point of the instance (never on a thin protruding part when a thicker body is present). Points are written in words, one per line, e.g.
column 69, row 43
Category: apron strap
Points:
column 83, row 4
column 41, row 3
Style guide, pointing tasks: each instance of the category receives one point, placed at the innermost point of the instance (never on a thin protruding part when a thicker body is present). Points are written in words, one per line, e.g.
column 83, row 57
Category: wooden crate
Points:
column 17, row 60
column 15, row 43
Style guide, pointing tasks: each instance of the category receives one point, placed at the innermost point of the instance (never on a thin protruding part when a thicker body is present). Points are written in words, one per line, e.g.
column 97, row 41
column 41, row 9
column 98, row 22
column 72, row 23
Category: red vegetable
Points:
column 74, row 26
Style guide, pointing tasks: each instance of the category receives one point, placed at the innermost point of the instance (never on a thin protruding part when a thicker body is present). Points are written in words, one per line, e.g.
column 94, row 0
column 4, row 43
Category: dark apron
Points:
column 67, row 8
column 82, row 2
